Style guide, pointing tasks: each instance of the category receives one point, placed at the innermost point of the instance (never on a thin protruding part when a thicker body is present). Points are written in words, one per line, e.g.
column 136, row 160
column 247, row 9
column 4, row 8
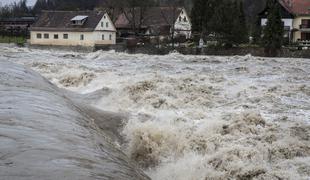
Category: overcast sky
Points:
column 6, row 2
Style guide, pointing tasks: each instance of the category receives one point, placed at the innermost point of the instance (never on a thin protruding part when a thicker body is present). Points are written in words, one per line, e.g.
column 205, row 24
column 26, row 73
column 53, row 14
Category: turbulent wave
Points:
column 195, row 117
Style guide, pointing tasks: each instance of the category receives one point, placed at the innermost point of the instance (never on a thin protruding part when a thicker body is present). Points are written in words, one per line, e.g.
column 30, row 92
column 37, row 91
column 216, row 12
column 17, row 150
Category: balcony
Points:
column 304, row 27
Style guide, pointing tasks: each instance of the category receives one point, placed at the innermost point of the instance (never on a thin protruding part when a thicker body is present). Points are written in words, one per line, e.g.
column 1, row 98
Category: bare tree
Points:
column 136, row 13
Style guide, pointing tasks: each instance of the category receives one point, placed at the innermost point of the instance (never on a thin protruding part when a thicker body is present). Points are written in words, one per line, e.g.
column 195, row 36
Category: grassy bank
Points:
column 17, row 40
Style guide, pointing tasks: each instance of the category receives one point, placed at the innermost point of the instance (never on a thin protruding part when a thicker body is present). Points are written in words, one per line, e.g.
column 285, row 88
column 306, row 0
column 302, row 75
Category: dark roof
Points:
column 154, row 16
column 61, row 21
column 18, row 19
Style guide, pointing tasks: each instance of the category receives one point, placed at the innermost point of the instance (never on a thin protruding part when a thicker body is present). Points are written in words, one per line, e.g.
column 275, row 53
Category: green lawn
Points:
column 16, row 40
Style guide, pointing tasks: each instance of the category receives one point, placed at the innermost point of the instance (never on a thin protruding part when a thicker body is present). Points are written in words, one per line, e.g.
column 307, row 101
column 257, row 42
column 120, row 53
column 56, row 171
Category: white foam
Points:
column 205, row 112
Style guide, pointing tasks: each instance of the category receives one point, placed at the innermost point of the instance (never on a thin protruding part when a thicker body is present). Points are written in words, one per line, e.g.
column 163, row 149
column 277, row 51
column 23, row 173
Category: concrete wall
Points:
column 90, row 38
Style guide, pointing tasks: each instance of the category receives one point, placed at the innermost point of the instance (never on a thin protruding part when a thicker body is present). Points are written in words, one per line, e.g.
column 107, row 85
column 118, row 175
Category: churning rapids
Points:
column 191, row 117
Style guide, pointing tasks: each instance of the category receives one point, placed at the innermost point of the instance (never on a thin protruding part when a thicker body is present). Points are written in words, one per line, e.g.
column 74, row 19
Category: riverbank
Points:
column 286, row 52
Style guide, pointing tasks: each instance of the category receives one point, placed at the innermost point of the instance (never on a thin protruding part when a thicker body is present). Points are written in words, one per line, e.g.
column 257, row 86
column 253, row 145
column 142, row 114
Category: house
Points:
column 73, row 28
column 154, row 21
column 296, row 19
column 16, row 26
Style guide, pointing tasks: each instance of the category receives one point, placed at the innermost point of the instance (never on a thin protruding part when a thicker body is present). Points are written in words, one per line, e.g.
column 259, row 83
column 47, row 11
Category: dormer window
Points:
column 78, row 20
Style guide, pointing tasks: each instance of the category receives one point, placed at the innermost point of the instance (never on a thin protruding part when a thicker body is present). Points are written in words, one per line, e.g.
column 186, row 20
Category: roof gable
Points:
column 61, row 21
column 102, row 25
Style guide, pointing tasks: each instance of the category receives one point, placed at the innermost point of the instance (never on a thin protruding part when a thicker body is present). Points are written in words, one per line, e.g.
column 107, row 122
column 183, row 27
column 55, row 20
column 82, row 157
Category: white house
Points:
column 73, row 28
column 183, row 24
column 296, row 20
column 155, row 21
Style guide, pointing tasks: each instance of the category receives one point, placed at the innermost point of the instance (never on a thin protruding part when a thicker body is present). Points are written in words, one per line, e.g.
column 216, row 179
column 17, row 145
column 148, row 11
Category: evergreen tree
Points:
column 222, row 22
column 273, row 32
column 242, row 33
column 198, row 15
column 229, row 23
column 256, row 31
column 202, row 13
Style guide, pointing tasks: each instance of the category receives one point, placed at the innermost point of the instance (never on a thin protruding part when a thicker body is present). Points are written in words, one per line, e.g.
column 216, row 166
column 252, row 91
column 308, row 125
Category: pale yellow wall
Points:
column 90, row 38
column 296, row 24
column 98, row 37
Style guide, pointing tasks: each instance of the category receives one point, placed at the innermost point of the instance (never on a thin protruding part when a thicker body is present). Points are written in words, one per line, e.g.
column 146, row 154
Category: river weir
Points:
column 45, row 135
column 175, row 117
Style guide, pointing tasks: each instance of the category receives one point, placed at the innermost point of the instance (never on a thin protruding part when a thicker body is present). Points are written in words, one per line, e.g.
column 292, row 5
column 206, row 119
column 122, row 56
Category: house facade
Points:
column 296, row 19
column 154, row 21
column 73, row 28
column 183, row 24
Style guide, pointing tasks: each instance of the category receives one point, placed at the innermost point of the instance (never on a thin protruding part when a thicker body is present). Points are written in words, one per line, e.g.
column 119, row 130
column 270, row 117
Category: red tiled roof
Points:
column 297, row 7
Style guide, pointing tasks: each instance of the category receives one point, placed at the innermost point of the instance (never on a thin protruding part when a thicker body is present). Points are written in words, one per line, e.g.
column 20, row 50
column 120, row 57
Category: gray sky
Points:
column 6, row 2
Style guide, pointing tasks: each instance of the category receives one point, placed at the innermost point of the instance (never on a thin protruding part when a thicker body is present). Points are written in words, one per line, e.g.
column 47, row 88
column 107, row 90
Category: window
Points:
column 65, row 36
column 110, row 37
column 305, row 23
column 305, row 36
column 185, row 19
column 107, row 24
column 180, row 18
column 82, row 37
column 101, row 24
column 39, row 35
column 102, row 37
column 46, row 36
column 104, row 17
column 55, row 36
